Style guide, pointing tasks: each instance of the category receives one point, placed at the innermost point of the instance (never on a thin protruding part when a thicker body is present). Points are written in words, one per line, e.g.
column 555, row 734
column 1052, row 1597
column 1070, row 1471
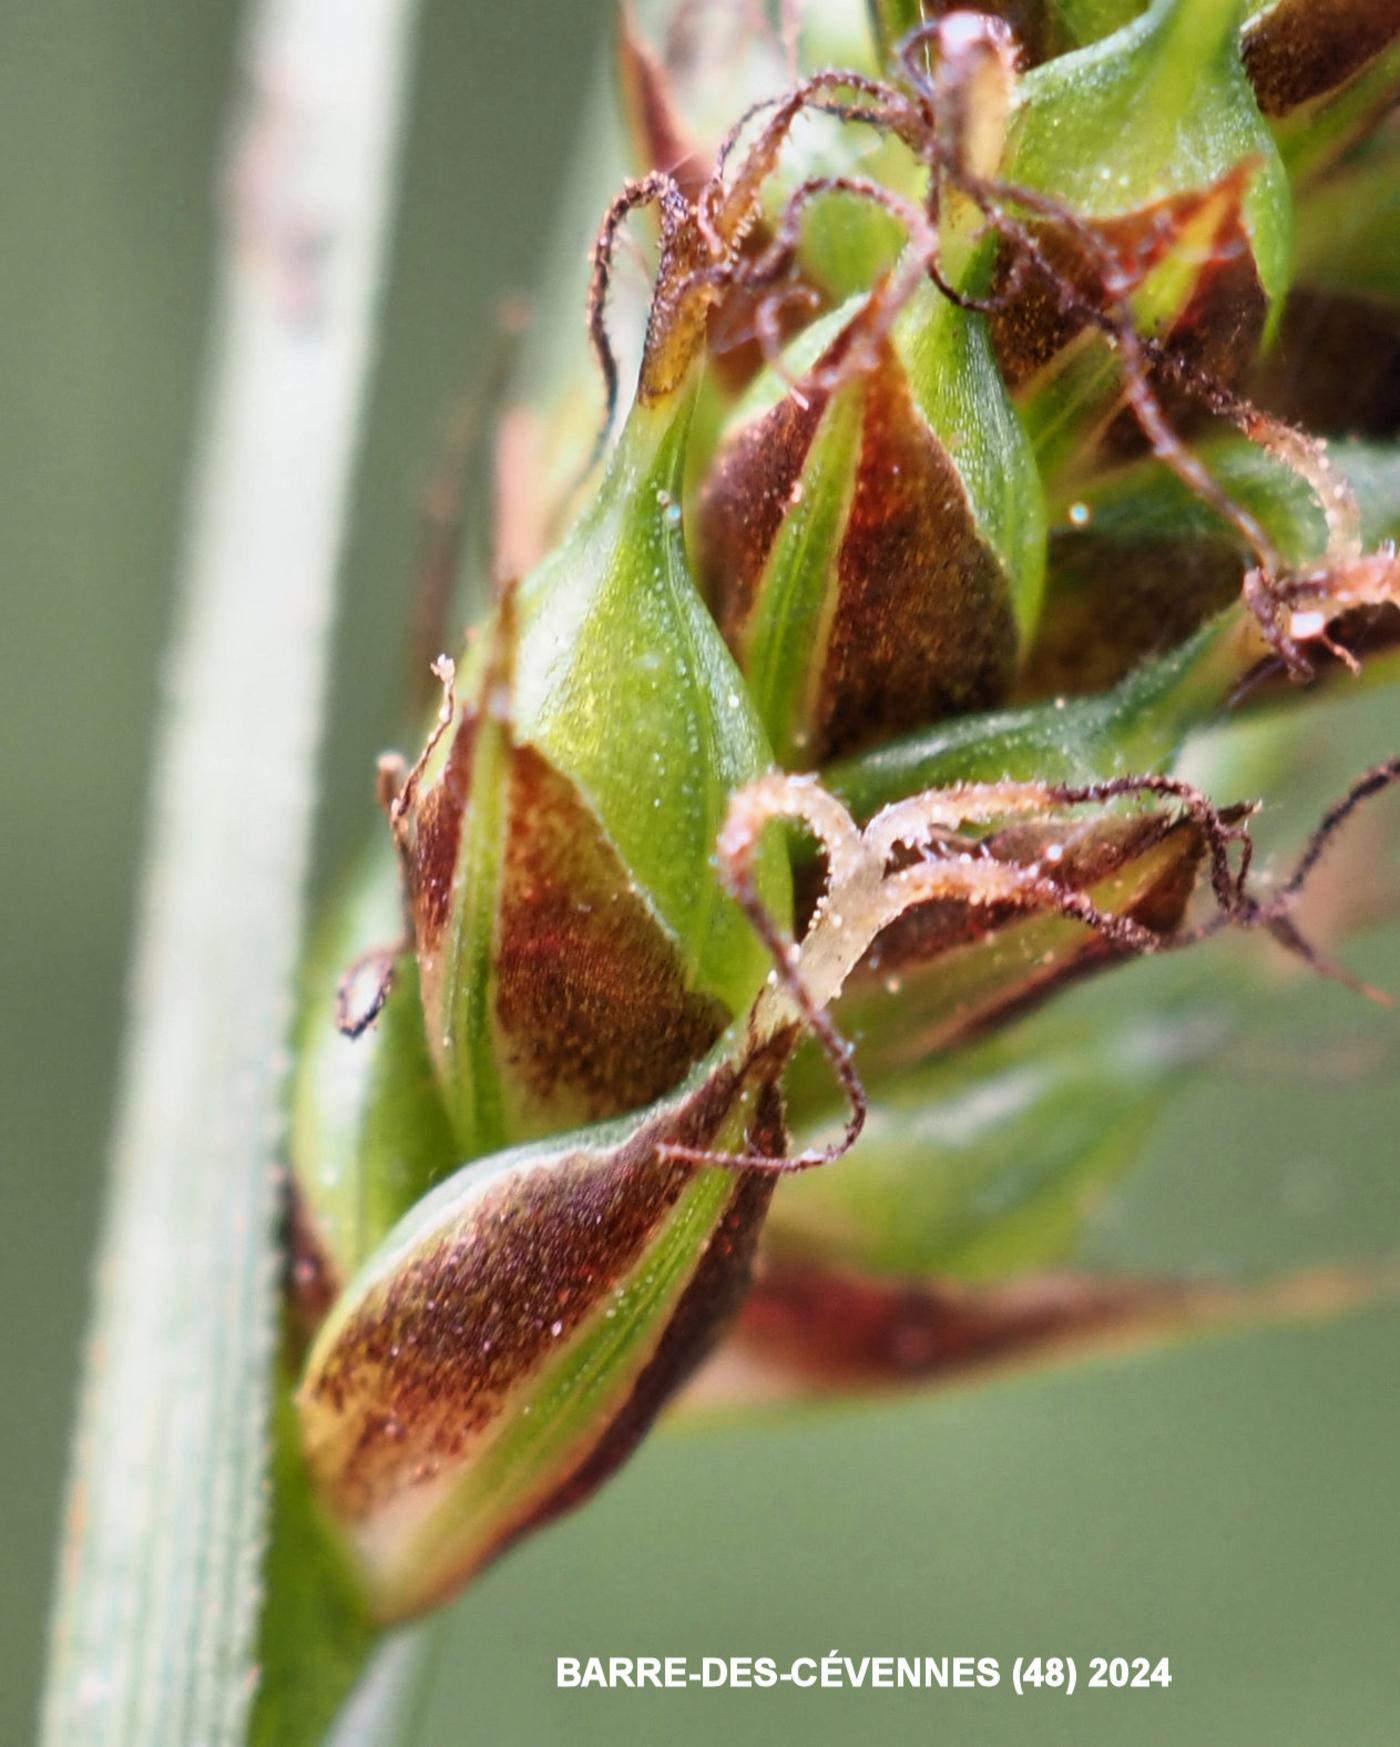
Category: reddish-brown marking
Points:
column 923, row 626
column 747, row 494
column 592, row 1009
column 1219, row 328
column 432, row 830
column 429, row 1359
column 1298, row 49
column 846, row 1330
column 1089, row 854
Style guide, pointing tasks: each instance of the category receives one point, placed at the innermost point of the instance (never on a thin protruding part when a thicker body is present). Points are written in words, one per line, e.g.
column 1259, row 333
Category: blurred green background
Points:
column 1232, row 1505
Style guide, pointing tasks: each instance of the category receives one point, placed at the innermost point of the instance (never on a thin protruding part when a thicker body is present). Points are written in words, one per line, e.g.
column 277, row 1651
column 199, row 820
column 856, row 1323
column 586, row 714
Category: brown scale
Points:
column 428, row 1360
column 1336, row 365
column 1218, row 331
column 1296, row 50
column 826, row 1329
column 1088, row 854
column 746, row 496
column 592, row 1008
column 1112, row 604
column 922, row 625
column 1154, row 861
column 456, row 1330
column 429, row 834
column 707, row 1308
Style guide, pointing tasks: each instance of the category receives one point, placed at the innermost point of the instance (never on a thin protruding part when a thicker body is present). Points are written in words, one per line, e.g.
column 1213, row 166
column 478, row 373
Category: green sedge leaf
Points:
column 316, row 1634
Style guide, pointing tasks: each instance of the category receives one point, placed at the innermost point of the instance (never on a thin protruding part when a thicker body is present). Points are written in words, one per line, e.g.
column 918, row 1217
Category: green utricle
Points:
column 577, row 952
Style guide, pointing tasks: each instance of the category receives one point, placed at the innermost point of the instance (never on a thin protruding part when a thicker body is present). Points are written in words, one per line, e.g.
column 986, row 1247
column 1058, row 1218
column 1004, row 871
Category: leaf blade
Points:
column 159, row 1583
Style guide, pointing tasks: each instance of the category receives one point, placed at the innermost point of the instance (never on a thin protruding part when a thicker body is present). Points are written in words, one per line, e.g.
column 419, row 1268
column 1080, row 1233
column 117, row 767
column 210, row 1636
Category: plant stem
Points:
column 159, row 1580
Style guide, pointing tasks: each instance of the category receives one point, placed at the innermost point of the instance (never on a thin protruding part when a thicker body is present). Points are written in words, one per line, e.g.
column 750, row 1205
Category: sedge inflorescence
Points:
column 837, row 731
